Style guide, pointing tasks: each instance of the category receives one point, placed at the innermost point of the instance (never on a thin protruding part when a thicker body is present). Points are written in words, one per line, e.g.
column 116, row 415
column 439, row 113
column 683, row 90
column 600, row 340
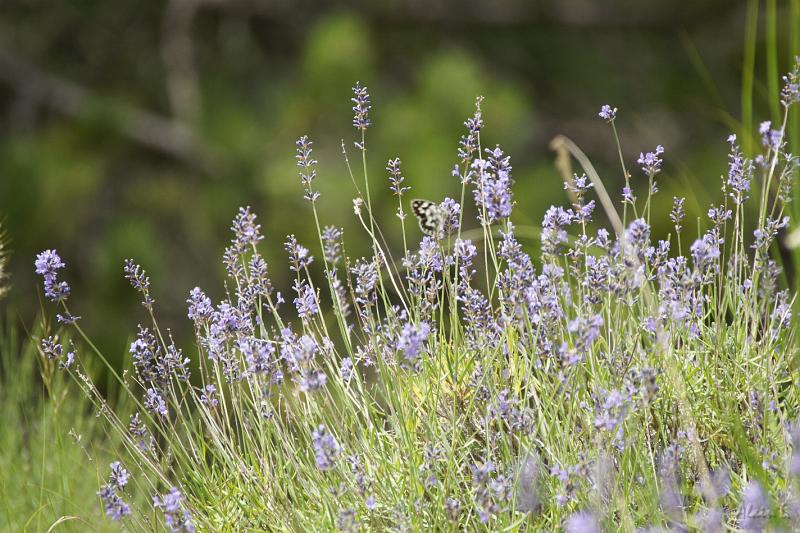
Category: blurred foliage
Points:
column 232, row 84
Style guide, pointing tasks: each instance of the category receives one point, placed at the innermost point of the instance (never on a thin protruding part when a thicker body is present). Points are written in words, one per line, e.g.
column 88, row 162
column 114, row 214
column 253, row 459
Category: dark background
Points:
column 134, row 128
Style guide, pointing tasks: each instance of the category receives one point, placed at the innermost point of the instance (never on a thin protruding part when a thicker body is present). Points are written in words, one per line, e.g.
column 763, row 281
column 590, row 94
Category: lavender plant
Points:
column 616, row 383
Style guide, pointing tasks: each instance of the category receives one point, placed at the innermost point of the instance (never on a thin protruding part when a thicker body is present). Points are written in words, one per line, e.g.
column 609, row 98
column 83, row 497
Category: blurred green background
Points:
column 137, row 128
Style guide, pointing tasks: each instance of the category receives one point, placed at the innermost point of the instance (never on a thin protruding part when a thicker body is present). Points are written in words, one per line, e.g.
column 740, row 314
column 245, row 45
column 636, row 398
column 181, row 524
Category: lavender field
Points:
column 389, row 358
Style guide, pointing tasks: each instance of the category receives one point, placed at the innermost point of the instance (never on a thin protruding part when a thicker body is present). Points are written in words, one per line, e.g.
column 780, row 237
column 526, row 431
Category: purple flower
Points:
column 246, row 233
column 155, row 403
column 306, row 301
column 144, row 440
column 611, row 414
column 582, row 523
column 571, row 478
column 346, row 521
column 740, row 172
column 138, row 279
column 200, row 307
column 451, row 212
column 396, row 178
column 468, row 144
column 47, row 264
column 297, row 352
column 719, row 215
column 754, row 509
column 146, row 353
column 669, row 478
column 208, row 397
column 332, row 244
column 326, row 448
column 346, row 369
column 637, row 235
column 366, row 278
column 298, row 255
column 678, row 213
column 361, row 107
column 705, row 253
column 312, row 380
column 790, row 94
column 258, row 353
column 411, row 341
column 627, row 195
column 67, row 318
column 770, row 138
column 766, row 234
column 492, row 181
column 119, row 476
column 651, row 161
column 51, row 348
column 306, row 164
column 452, row 508
column 553, row 232
column 115, row 508
column 585, row 330
column 608, row 113
column 69, row 359
column 176, row 516
column 488, row 491
column 175, row 364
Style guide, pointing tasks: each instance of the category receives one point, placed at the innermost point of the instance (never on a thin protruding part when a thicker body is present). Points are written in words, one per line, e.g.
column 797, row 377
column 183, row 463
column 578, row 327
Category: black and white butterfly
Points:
column 430, row 216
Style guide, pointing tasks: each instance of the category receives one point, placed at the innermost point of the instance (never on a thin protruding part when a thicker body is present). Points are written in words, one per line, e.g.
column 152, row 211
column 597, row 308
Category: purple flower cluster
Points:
column 246, row 233
column 154, row 402
column 140, row 434
column 594, row 324
column 306, row 164
column 176, row 516
column 608, row 113
column 470, row 142
column 490, row 490
column 138, row 279
column 678, row 213
column 326, row 448
column 740, row 172
column 411, row 342
column 492, row 183
column 47, row 264
column 790, row 93
column 611, row 412
column 306, row 301
column 332, row 245
column 115, row 508
column 651, row 161
column 299, row 256
column 361, row 107
column 396, row 178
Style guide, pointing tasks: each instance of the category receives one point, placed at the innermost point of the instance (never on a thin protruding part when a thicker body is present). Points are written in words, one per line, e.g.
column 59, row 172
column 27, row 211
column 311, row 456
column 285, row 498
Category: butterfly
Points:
column 430, row 216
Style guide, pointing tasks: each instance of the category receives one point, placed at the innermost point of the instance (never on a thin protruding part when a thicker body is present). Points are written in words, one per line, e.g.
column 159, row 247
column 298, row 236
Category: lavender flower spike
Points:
column 306, row 164
column 47, row 264
column 326, row 448
column 176, row 517
column 651, row 161
column 608, row 113
column 361, row 107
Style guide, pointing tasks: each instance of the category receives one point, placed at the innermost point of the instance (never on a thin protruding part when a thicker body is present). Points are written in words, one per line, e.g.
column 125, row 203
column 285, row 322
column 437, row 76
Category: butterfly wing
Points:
column 428, row 215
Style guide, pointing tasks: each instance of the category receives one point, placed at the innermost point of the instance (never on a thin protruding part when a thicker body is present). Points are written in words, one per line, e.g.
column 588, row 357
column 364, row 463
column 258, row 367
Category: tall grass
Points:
column 618, row 382
column 53, row 450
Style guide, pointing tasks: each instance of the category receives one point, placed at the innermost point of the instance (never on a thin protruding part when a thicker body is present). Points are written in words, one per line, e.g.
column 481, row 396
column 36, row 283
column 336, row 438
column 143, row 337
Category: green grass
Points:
column 53, row 450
